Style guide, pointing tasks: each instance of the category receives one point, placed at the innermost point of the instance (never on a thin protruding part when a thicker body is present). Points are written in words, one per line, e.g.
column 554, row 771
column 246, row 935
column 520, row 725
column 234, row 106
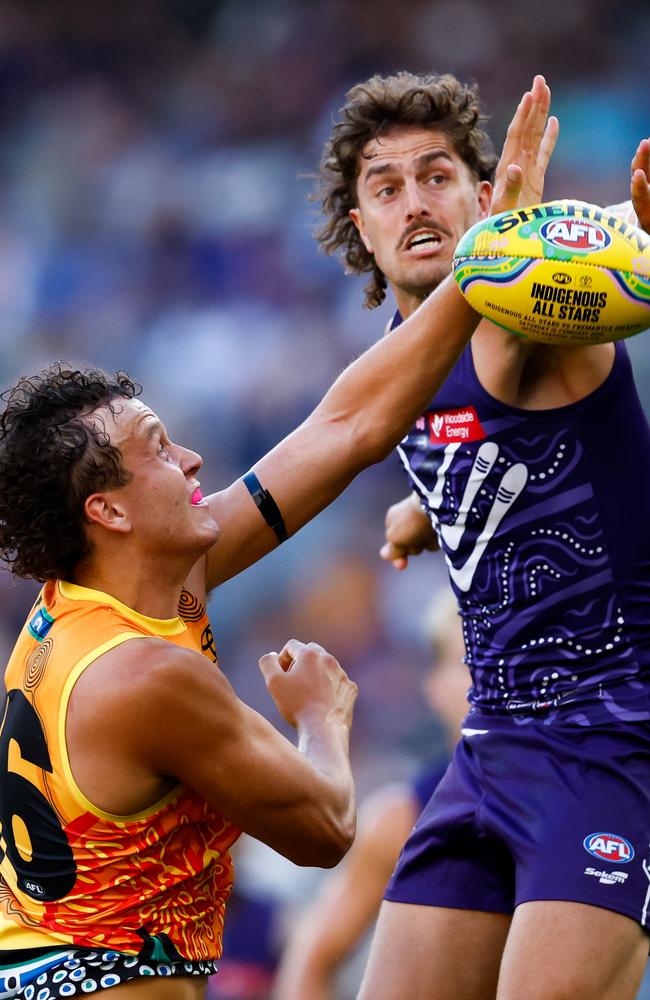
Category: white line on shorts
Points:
column 644, row 914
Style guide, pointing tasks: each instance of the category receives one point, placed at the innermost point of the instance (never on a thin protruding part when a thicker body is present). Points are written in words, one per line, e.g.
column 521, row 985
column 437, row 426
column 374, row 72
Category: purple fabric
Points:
column 543, row 519
column 531, row 813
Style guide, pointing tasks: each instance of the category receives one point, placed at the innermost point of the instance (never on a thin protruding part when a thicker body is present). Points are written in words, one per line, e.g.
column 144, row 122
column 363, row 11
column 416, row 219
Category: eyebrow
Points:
column 154, row 425
column 421, row 161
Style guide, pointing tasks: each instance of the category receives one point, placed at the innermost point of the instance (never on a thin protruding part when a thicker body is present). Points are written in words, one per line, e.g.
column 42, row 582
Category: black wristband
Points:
column 266, row 505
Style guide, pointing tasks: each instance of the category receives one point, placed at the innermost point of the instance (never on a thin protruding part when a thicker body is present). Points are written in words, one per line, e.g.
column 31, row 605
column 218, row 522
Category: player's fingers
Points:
column 269, row 665
column 516, row 127
column 541, row 91
column 507, row 196
column 549, row 139
column 640, row 183
column 640, row 190
column 289, row 652
column 393, row 554
column 641, row 159
column 316, row 646
column 535, row 124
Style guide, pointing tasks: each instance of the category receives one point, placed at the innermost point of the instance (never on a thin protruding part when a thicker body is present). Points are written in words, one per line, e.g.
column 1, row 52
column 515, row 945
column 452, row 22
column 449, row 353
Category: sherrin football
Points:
column 563, row 272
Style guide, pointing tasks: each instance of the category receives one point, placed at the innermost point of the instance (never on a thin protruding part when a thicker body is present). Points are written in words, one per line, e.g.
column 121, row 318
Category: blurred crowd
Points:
column 156, row 164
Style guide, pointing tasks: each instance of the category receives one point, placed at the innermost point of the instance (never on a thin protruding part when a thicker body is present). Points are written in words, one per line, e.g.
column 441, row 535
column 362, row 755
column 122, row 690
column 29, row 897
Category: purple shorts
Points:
column 531, row 812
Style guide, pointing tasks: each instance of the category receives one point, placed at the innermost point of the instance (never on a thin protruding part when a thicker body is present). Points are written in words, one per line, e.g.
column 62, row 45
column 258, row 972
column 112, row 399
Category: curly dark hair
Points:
column 51, row 458
column 371, row 109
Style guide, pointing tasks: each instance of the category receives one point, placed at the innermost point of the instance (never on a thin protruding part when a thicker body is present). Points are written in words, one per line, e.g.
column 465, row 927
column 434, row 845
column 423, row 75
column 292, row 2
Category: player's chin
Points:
column 423, row 279
column 208, row 534
column 427, row 260
column 215, row 533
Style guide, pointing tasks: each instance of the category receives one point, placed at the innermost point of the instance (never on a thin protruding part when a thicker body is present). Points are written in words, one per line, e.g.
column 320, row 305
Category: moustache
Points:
column 416, row 226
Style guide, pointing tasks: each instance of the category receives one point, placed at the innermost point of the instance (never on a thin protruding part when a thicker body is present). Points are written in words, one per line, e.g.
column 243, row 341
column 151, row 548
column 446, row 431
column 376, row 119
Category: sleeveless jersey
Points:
column 154, row 883
column 543, row 520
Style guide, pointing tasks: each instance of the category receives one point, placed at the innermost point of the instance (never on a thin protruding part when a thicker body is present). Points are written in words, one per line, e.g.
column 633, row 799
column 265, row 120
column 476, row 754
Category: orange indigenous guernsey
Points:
column 153, row 884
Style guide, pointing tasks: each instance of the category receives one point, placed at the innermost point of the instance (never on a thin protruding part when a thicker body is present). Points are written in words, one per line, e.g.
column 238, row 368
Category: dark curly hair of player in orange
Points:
column 51, row 458
column 372, row 109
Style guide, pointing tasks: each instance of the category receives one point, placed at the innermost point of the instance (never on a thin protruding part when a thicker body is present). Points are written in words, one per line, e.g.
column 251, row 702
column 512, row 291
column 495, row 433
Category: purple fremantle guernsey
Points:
column 543, row 517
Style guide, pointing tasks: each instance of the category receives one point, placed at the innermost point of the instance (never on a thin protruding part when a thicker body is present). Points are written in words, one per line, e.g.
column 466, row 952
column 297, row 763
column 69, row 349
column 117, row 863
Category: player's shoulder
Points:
column 145, row 668
column 145, row 687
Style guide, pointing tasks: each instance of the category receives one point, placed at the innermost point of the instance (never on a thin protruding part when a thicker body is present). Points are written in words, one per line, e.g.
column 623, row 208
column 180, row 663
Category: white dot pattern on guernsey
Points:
column 77, row 974
column 537, row 519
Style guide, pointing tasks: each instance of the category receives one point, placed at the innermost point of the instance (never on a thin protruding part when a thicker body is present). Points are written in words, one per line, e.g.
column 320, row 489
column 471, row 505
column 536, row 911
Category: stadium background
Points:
column 154, row 216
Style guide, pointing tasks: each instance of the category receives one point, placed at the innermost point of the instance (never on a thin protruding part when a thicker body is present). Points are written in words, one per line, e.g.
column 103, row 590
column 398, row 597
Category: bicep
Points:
column 244, row 535
column 303, row 473
column 232, row 757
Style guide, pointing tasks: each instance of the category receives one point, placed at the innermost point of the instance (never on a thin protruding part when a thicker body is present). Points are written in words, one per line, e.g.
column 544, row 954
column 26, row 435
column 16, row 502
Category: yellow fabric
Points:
column 71, row 873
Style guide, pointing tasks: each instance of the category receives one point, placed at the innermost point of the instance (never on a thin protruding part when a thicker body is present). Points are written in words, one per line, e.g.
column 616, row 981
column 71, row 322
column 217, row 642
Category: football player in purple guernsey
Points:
column 527, row 875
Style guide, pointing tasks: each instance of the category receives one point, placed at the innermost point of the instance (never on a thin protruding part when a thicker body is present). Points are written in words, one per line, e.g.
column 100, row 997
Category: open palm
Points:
column 529, row 144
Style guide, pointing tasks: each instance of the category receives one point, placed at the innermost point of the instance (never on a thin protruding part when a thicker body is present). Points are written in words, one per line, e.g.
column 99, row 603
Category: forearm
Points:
column 369, row 408
column 300, row 802
column 325, row 744
column 385, row 390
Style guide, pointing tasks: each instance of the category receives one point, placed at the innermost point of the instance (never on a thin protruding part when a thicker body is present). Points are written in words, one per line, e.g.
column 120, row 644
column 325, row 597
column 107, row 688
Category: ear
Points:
column 357, row 218
column 107, row 512
column 484, row 199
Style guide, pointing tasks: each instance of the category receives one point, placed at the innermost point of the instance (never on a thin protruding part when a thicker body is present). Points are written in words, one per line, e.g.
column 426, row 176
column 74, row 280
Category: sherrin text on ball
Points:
column 562, row 272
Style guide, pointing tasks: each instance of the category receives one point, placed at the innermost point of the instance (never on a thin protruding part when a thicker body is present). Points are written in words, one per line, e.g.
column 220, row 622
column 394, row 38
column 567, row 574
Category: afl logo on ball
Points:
column 562, row 278
column 578, row 235
column 609, row 847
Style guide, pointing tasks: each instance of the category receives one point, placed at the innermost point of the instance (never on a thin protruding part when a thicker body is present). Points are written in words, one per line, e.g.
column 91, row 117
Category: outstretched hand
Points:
column 640, row 184
column 530, row 141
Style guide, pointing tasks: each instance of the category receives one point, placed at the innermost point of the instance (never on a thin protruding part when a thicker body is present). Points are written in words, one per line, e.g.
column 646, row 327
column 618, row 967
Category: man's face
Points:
column 162, row 503
column 416, row 197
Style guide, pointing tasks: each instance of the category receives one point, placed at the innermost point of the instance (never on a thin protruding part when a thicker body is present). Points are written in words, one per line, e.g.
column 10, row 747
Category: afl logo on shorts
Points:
column 578, row 235
column 609, row 847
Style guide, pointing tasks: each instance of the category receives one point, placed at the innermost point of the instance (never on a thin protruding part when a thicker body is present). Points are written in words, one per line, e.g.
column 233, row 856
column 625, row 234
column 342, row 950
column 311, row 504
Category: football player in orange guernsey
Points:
column 128, row 765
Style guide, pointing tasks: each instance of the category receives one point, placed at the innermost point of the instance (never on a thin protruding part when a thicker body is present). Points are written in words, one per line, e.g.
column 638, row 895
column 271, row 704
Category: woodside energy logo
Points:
column 455, row 425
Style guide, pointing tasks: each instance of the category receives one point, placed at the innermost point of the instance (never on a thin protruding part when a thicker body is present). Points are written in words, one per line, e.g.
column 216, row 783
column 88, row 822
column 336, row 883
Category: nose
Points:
column 415, row 202
column 191, row 462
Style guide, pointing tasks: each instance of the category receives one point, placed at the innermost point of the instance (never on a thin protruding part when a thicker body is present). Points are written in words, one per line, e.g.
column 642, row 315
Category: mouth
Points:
column 422, row 240
column 197, row 498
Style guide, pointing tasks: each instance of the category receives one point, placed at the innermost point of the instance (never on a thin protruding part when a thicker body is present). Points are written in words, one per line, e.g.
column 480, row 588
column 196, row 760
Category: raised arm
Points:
column 373, row 403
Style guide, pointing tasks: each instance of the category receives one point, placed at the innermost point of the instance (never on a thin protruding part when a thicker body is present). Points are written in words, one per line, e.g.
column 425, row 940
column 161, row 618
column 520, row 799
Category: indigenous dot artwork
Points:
column 79, row 973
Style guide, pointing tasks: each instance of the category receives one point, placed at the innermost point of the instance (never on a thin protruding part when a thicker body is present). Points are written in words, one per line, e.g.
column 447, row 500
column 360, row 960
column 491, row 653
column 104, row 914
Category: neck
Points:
column 408, row 302
column 151, row 590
